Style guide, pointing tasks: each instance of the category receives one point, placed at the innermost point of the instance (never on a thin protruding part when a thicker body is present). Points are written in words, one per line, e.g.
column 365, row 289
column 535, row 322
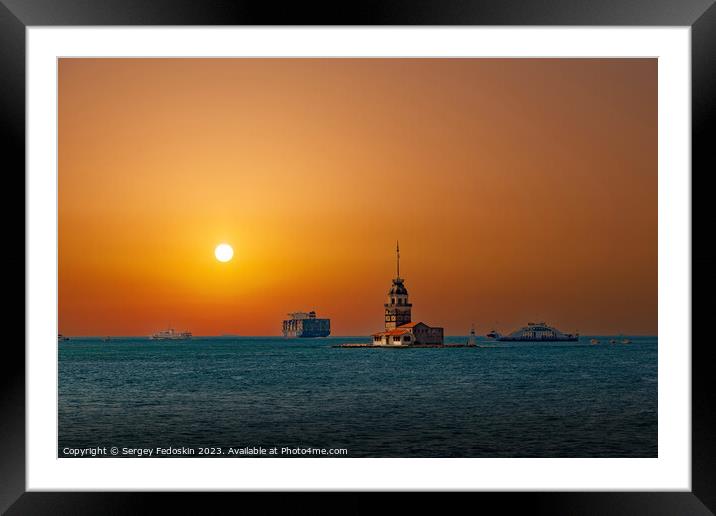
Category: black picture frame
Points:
column 699, row 15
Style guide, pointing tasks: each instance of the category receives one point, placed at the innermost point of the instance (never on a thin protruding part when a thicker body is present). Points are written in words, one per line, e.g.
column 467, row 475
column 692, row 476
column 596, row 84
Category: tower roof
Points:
column 398, row 287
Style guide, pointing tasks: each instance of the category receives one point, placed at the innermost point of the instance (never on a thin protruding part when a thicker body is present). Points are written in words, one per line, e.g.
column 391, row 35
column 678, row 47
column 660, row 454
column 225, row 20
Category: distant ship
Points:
column 623, row 339
column 171, row 334
column 62, row 338
column 539, row 332
column 106, row 339
column 493, row 335
column 306, row 325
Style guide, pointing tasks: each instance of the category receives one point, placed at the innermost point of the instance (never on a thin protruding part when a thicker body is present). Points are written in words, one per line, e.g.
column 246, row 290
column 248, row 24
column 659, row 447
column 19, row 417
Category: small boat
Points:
column 493, row 335
column 105, row 339
column 594, row 341
column 62, row 338
column 623, row 339
column 612, row 341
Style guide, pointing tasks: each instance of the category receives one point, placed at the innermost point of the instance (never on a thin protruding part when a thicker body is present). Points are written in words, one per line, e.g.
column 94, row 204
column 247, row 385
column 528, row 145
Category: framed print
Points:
column 394, row 248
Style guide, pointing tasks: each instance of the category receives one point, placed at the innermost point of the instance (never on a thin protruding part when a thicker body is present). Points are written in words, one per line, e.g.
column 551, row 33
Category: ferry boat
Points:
column 171, row 334
column 539, row 332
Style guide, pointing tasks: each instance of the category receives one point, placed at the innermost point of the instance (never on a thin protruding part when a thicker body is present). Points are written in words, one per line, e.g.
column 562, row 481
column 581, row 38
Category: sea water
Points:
column 569, row 399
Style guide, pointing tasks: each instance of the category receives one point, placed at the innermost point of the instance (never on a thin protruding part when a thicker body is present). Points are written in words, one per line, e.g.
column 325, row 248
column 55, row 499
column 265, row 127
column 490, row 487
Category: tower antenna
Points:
column 397, row 252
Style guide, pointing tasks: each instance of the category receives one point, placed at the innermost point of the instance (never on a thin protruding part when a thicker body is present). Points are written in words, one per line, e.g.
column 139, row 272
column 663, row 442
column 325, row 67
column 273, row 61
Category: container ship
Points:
column 538, row 332
column 306, row 325
column 171, row 334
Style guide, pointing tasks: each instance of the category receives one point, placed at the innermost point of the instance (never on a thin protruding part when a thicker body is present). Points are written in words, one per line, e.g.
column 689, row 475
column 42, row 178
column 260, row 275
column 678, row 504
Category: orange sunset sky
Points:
column 520, row 190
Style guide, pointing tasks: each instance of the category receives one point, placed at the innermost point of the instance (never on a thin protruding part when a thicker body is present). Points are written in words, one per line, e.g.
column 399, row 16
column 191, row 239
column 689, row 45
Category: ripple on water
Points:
column 520, row 401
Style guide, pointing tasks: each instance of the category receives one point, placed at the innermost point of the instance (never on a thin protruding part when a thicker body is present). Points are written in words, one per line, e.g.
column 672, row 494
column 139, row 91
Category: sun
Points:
column 224, row 252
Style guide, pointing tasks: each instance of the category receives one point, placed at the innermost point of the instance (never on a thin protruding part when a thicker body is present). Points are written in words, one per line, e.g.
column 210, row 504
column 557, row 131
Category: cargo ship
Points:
column 171, row 334
column 539, row 332
column 306, row 325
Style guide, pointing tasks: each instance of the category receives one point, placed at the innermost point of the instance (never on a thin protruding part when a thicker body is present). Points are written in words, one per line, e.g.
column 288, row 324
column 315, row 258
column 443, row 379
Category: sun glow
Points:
column 223, row 252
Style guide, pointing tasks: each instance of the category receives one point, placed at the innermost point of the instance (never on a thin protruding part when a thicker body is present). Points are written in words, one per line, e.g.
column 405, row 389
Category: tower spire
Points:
column 397, row 252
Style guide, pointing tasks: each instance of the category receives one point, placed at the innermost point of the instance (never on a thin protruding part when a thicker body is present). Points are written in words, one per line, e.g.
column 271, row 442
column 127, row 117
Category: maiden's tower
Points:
column 400, row 330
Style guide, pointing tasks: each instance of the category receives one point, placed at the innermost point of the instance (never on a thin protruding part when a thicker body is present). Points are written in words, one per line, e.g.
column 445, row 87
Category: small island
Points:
column 400, row 331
